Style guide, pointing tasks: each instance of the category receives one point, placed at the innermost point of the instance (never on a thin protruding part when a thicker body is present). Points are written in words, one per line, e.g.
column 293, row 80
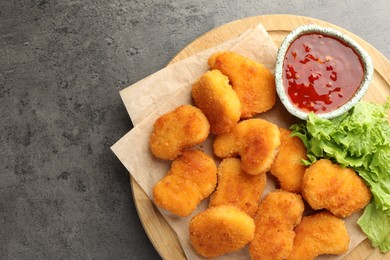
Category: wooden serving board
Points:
column 278, row 26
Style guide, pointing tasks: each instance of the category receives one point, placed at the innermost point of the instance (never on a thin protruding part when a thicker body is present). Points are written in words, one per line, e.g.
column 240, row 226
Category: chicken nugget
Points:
column 259, row 146
column 321, row 233
column 197, row 167
column 255, row 140
column 177, row 130
column 177, row 195
column 228, row 145
column 287, row 166
column 279, row 212
column 220, row 230
column 192, row 178
column 213, row 94
column 237, row 188
column 253, row 82
column 329, row 186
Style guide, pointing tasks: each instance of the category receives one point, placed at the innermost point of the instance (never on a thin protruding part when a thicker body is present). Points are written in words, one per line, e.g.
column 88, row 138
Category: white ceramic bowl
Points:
column 366, row 61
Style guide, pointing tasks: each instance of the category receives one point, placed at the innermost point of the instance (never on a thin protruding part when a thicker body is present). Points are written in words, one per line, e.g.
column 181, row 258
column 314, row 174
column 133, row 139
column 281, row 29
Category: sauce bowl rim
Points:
column 368, row 70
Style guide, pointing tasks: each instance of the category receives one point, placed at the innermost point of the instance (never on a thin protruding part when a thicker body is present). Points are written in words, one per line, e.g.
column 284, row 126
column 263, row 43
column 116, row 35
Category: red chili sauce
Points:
column 320, row 73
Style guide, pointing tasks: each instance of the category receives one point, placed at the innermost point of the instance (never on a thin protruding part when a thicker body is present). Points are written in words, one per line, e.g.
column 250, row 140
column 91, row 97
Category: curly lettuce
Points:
column 359, row 139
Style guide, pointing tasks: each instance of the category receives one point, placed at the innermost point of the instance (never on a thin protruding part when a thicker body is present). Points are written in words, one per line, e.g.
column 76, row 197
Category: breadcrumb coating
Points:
column 253, row 82
column 220, row 230
column 213, row 94
column 329, row 186
column 236, row 187
column 177, row 130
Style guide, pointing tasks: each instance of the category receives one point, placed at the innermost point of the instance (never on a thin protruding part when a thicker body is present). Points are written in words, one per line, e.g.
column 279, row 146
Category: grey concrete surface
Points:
column 63, row 194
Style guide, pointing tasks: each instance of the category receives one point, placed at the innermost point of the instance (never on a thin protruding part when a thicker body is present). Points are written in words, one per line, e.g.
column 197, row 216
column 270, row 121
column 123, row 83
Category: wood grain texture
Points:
column 278, row 26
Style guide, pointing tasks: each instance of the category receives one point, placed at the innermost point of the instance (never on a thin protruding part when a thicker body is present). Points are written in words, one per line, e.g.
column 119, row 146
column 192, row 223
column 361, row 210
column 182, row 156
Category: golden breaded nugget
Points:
column 213, row 94
column 259, row 146
column 228, row 145
column 255, row 140
column 253, row 83
column 237, row 188
column 197, row 167
column 321, row 233
column 279, row 212
column 220, row 230
column 329, row 186
column 177, row 195
column 177, row 130
column 287, row 166
column 192, row 178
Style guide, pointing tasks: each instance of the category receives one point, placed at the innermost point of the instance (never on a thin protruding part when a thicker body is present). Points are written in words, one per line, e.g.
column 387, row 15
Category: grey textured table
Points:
column 63, row 194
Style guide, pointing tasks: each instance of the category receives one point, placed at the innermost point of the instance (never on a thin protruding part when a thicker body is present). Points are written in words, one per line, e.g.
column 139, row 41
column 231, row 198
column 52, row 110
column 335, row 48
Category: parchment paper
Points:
column 170, row 87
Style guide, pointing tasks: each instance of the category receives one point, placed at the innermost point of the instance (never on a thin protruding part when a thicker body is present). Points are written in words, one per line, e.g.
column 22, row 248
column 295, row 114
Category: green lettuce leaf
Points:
column 371, row 219
column 359, row 139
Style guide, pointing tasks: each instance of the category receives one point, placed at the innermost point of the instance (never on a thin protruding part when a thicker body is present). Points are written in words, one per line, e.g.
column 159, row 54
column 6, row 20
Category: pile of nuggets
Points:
column 226, row 98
